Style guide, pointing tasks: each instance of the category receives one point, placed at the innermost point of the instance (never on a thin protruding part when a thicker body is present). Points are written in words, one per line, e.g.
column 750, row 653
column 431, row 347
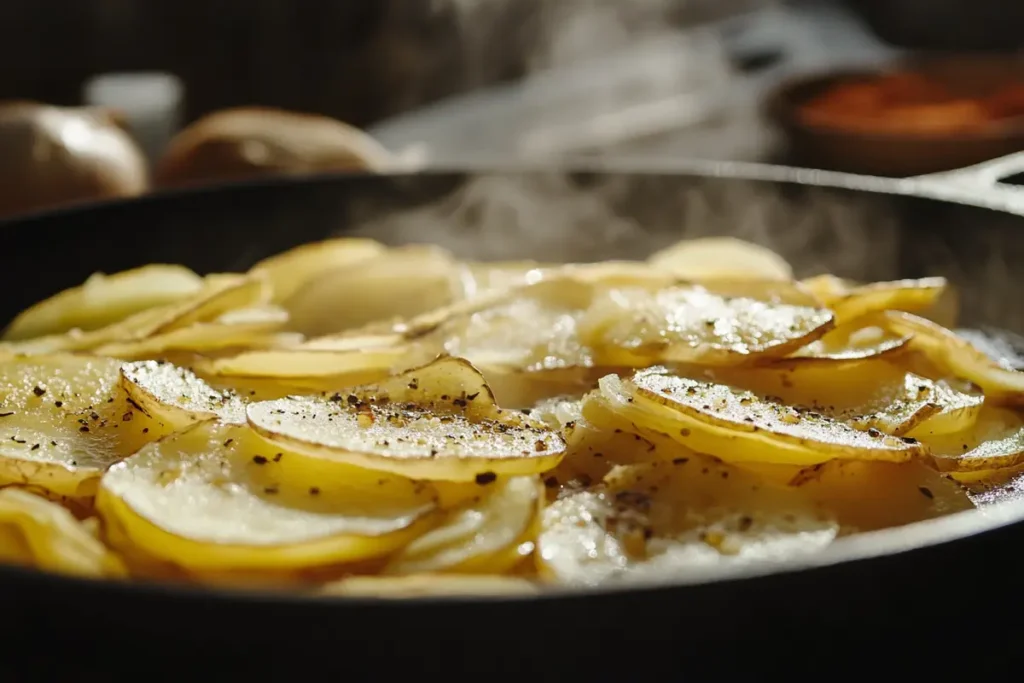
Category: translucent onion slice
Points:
column 635, row 327
column 64, row 420
column 104, row 300
column 960, row 358
column 721, row 257
column 38, row 533
column 865, row 496
column 288, row 271
column 738, row 425
column 435, row 422
column 429, row 585
column 218, row 497
column 490, row 534
column 995, row 441
column 667, row 520
column 176, row 396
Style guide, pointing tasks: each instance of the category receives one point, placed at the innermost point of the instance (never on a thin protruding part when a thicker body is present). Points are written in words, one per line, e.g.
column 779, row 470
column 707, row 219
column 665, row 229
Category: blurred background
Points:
column 116, row 97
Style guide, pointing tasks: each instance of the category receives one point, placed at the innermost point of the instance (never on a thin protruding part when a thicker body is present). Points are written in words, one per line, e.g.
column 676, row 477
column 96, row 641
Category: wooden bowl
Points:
column 901, row 153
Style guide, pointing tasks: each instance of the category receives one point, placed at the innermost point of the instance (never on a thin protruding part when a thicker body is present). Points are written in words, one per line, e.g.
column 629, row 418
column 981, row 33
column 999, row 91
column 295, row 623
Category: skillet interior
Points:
column 852, row 233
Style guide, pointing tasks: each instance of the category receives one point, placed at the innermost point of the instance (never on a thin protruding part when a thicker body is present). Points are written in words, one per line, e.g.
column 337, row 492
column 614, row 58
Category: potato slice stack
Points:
column 364, row 420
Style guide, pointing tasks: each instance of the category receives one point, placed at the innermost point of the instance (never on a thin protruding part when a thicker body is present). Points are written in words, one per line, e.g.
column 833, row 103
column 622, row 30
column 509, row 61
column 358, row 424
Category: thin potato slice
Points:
column 490, row 534
column 39, row 533
column 199, row 338
column 176, row 396
column 439, row 421
column 771, row 291
column 636, row 327
column 859, row 340
column 738, row 425
column 960, row 358
column 64, row 421
column 995, row 441
column 401, row 282
column 104, row 300
column 667, row 520
column 217, row 497
column 721, row 257
column 313, row 368
column 429, row 585
column 288, row 271
column 865, row 496
column 899, row 295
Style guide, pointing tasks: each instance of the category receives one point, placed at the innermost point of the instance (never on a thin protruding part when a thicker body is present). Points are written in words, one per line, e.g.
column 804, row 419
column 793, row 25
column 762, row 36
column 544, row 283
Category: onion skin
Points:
column 251, row 142
column 59, row 155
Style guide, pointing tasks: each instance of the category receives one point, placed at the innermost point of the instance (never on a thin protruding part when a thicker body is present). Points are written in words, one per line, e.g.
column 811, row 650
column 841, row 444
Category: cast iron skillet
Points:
column 910, row 597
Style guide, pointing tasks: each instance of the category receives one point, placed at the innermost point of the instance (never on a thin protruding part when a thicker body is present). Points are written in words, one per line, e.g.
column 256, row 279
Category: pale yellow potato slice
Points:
column 104, row 300
column 217, row 497
column 669, row 520
column 439, row 421
column 496, row 276
column 429, row 585
column 39, row 533
column 898, row 295
column 865, row 496
column 637, row 327
column 738, row 425
column 401, row 282
column 176, row 397
column 995, row 441
column 857, row 340
column 200, row 338
column 64, row 420
column 959, row 358
column 288, row 271
column 771, row 291
column 490, row 534
column 316, row 369
column 721, row 257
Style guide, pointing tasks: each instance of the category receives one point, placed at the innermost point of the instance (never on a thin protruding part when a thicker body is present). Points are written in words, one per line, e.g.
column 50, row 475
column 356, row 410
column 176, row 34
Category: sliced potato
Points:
column 865, row 496
column 328, row 370
column 490, row 534
column 770, row 291
column 288, row 271
column 899, row 295
column 665, row 520
column 995, row 441
column 64, row 420
column 960, row 358
column 858, row 340
column 429, row 585
column 722, row 257
column 435, row 422
column 40, row 533
column 737, row 425
column 176, row 397
column 636, row 327
column 216, row 496
column 398, row 283
column 199, row 338
column 104, row 300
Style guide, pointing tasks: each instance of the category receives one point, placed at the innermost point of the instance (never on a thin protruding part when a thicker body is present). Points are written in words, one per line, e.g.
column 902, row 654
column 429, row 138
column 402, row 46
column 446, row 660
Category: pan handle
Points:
column 981, row 184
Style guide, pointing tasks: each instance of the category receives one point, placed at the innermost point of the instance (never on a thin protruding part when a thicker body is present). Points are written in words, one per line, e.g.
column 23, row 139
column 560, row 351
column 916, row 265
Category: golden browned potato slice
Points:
column 959, row 358
column 637, row 327
column 721, row 257
column 64, row 420
column 176, row 397
column 771, row 291
column 995, row 441
column 312, row 368
column 865, row 496
column 667, row 520
column 401, row 282
column 216, row 496
column 288, row 271
column 439, row 421
column 738, row 425
column 899, row 295
column 104, row 300
column 429, row 585
column 489, row 534
column 38, row 533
